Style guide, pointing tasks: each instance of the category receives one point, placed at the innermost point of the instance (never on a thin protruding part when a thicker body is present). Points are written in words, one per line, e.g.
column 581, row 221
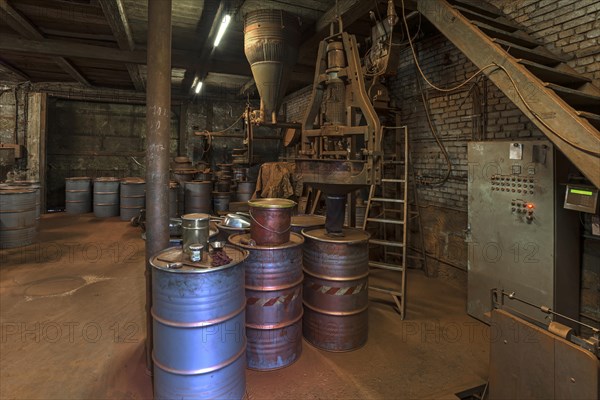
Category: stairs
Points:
column 563, row 104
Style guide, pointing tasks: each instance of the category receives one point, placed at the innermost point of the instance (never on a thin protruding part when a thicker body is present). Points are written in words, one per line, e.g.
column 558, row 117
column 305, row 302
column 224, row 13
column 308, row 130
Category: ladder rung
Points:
column 384, row 200
column 386, row 221
column 389, row 267
column 393, row 253
column 389, row 291
column 386, row 243
column 390, row 180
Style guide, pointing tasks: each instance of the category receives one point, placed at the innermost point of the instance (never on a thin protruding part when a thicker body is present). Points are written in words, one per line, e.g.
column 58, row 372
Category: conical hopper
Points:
column 271, row 39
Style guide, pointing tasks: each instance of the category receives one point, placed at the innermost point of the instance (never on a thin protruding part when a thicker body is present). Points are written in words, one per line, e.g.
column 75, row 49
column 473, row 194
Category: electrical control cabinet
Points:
column 520, row 237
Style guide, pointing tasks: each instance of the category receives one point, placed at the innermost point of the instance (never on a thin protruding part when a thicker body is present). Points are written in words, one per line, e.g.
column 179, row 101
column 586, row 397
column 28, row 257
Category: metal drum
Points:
column 173, row 189
column 106, row 197
column 198, row 197
column 244, row 191
column 271, row 221
column 226, row 231
column 223, row 185
column 203, row 176
column 335, row 292
column 78, row 195
column 133, row 197
column 181, row 176
column 302, row 221
column 221, row 201
column 18, row 225
column 198, row 314
column 195, row 229
column 273, row 302
column 35, row 185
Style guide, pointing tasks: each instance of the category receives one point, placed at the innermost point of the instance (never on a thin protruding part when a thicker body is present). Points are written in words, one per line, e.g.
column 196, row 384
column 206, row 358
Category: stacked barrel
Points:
column 273, row 285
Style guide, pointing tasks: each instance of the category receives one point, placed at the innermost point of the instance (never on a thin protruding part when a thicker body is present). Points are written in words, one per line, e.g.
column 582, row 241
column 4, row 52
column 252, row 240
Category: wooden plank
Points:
column 554, row 75
column 6, row 66
column 71, row 70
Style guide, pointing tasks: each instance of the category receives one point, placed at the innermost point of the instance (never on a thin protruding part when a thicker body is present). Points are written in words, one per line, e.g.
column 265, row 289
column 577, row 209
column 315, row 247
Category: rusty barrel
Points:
column 302, row 221
column 271, row 220
column 106, row 197
column 198, row 324
column 221, row 201
column 78, row 195
column 273, row 302
column 181, row 176
column 18, row 225
column 335, row 291
column 198, row 197
column 173, row 201
column 133, row 197
column 244, row 191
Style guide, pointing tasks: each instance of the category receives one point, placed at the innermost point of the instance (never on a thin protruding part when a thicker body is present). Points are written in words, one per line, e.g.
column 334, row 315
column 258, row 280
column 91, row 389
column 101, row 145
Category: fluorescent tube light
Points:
column 198, row 87
column 222, row 28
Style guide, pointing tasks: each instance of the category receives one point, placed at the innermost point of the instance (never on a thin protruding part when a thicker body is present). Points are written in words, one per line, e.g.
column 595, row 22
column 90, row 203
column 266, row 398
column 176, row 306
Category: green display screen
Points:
column 582, row 192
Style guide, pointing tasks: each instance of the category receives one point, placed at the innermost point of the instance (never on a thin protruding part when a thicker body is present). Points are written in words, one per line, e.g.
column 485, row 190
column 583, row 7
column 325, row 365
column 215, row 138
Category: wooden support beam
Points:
column 24, row 27
column 119, row 25
column 6, row 66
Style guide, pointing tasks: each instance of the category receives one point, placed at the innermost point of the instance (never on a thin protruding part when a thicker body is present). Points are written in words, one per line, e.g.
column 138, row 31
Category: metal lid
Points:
column 132, row 181
column 308, row 220
column 271, row 203
column 176, row 261
column 107, row 179
column 245, row 241
column 350, row 235
column 195, row 217
column 79, row 178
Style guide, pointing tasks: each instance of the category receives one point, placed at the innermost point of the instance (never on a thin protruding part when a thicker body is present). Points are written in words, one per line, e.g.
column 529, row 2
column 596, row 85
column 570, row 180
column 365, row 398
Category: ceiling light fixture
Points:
column 222, row 28
column 198, row 87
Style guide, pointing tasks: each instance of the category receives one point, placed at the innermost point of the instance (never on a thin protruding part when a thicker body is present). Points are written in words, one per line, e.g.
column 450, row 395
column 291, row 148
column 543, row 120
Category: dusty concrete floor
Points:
column 72, row 327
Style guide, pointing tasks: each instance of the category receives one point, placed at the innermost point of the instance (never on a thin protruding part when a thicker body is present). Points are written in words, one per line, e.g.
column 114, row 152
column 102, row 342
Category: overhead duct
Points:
column 271, row 40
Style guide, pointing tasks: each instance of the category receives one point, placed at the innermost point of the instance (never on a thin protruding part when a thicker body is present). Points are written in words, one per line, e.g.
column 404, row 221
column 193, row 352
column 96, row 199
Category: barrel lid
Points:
column 133, row 180
column 16, row 190
column 106, row 179
column 244, row 240
column 198, row 183
column 28, row 183
column 231, row 228
column 79, row 178
column 181, row 159
column 175, row 260
column 173, row 184
column 271, row 203
column 195, row 216
column 350, row 235
column 308, row 220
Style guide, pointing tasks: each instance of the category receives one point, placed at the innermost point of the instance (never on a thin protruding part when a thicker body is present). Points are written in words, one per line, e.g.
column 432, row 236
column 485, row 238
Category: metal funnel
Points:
column 271, row 39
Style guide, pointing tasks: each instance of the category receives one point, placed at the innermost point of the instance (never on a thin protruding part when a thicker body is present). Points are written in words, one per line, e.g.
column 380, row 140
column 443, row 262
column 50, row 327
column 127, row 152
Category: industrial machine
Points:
column 520, row 237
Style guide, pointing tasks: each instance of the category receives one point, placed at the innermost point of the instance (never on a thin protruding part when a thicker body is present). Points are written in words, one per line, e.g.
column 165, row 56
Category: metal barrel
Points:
column 273, row 302
column 173, row 190
column 106, row 197
column 181, row 176
column 198, row 325
column 203, row 176
column 271, row 221
column 226, row 231
column 239, row 173
column 244, row 191
column 221, row 201
column 223, row 185
column 35, row 185
column 198, row 197
column 335, row 292
column 133, row 197
column 78, row 195
column 18, row 225
column 195, row 229
column 302, row 221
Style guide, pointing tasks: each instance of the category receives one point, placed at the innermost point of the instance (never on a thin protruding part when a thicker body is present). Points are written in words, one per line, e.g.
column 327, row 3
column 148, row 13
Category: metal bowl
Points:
column 218, row 244
column 236, row 221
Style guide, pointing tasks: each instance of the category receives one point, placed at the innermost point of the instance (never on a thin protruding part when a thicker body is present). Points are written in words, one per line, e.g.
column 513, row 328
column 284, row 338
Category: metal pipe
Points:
column 158, row 113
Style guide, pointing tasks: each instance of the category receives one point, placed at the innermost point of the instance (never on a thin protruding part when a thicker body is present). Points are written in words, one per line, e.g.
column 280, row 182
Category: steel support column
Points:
column 158, row 125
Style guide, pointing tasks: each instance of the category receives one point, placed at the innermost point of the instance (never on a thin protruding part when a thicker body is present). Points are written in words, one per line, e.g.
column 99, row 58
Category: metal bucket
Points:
column 336, row 289
column 18, row 225
column 173, row 189
column 198, row 324
column 78, row 195
column 244, row 191
column 273, row 302
column 221, row 201
column 198, row 197
column 133, row 197
column 181, row 176
column 271, row 221
column 302, row 221
column 195, row 229
column 106, row 197
column 226, row 231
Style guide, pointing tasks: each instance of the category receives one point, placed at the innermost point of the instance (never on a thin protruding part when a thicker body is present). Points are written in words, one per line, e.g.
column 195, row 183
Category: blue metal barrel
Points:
column 198, row 324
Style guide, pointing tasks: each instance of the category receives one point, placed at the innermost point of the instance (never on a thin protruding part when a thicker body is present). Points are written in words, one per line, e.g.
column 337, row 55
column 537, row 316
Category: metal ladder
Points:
column 398, row 216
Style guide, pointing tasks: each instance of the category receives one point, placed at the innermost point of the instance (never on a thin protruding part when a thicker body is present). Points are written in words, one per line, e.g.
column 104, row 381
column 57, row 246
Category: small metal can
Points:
column 196, row 252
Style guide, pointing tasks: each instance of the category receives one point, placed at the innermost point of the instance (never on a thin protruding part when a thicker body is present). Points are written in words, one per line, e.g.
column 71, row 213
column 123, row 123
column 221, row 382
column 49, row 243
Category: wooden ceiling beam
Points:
column 119, row 25
column 8, row 67
column 24, row 27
